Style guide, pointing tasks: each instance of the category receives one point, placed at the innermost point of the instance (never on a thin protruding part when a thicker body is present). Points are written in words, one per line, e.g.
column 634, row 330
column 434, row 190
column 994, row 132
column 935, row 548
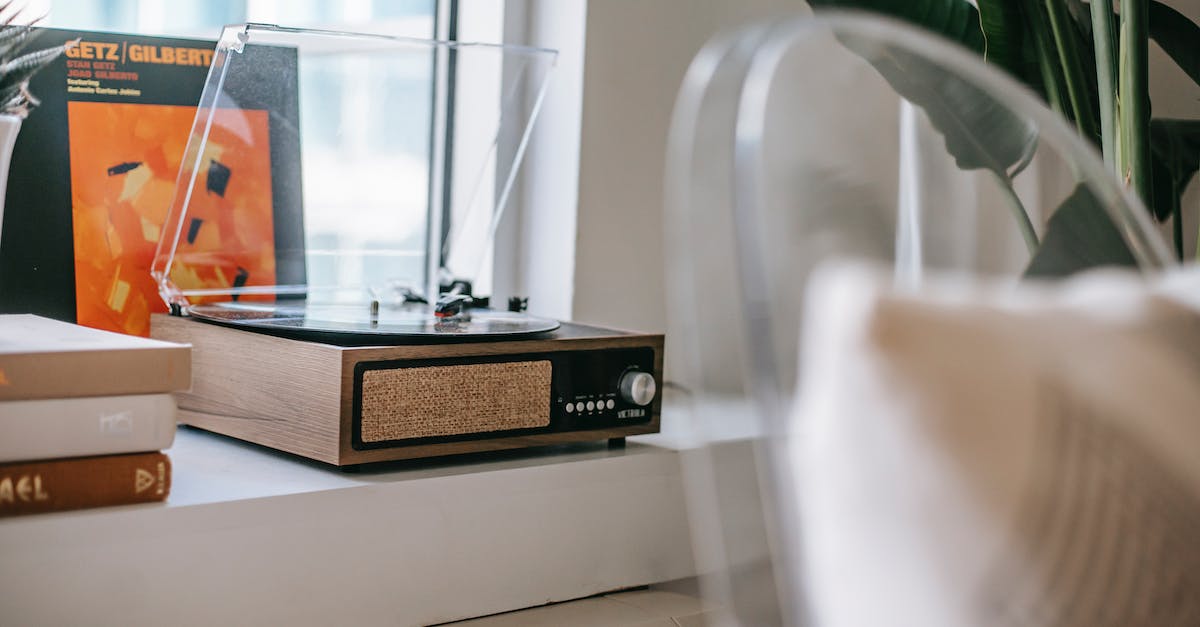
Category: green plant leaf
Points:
column 1078, row 75
column 980, row 133
column 1104, row 48
column 1133, row 100
column 1009, row 43
column 1037, row 29
column 1175, row 154
column 1178, row 36
column 955, row 19
column 1079, row 236
column 997, row 29
column 1004, row 36
column 1174, row 159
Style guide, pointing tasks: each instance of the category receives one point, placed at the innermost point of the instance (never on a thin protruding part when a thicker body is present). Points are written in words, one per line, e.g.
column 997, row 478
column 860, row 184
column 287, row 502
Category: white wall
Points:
column 637, row 53
column 535, row 252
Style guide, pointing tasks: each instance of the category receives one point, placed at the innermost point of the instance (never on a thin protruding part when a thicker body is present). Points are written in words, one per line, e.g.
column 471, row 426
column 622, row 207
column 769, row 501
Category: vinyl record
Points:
column 355, row 324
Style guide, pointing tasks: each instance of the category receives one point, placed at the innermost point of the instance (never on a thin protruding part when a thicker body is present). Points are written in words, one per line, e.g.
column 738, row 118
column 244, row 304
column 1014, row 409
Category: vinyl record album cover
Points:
column 93, row 176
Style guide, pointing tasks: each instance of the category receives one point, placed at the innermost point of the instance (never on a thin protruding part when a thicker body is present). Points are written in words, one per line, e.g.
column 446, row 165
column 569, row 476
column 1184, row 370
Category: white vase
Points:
column 10, row 125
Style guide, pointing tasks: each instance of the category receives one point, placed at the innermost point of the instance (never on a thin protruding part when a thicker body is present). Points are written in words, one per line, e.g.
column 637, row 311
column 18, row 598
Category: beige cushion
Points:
column 999, row 455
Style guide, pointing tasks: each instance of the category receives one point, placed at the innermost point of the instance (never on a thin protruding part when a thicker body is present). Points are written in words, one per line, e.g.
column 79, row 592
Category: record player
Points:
column 327, row 254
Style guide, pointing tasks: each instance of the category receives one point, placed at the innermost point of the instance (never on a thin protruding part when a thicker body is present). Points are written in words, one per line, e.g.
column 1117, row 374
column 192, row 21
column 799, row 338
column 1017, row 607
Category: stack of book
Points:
column 84, row 415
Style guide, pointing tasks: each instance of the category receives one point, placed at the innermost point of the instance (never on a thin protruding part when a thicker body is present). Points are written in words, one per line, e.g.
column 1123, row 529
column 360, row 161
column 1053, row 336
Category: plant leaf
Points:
column 12, row 38
column 1078, row 74
column 1178, row 36
column 1133, row 101
column 955, row 19
column 1175, row 153
column 1079, row 236
column 1005, row 40
column 24, row 66
column 1105, row 64
column 980, row 133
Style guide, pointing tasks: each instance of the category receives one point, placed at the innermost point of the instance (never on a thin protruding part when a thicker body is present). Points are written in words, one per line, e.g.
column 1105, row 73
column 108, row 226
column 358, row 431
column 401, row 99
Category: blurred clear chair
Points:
column 804, row 139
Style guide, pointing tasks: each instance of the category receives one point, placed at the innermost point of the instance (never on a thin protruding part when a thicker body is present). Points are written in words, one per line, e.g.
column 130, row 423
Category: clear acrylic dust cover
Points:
column 347, row 173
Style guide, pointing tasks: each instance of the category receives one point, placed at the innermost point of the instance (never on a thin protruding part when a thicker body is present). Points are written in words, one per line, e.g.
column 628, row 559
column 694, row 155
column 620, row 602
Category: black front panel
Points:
column 584, row 392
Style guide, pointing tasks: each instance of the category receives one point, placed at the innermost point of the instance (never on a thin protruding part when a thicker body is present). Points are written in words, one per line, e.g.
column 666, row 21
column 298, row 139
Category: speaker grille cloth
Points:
column 433, row 401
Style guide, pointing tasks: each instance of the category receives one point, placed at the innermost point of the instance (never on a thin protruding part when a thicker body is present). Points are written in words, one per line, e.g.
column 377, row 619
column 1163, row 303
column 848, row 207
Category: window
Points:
column 204, row 18
column 402, row 153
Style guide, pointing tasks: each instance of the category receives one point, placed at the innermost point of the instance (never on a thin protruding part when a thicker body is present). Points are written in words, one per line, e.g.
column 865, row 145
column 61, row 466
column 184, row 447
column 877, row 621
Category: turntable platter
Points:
column 355, row 324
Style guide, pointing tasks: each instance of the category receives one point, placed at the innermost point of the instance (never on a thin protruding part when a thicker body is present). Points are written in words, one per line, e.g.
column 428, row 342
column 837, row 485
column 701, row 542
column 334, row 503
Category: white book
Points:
column 79, row 427
column 44, row 358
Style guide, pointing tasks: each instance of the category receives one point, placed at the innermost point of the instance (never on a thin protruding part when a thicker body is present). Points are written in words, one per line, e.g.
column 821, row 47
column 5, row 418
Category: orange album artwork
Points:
column 124, row 161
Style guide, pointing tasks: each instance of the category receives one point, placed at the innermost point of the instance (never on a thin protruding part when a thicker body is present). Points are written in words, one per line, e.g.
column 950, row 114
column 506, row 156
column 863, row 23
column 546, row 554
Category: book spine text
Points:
column 66, row 484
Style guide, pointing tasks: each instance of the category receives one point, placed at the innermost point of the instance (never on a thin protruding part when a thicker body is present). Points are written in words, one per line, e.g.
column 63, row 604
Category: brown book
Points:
column 44, row 358
column 63, row 484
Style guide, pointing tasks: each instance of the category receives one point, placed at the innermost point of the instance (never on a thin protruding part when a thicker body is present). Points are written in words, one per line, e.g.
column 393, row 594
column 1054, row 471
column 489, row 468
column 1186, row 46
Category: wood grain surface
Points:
column 298, row 396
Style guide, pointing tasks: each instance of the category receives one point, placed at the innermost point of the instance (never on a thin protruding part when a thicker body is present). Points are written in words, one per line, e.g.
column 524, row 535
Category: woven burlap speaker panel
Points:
column 403, row 403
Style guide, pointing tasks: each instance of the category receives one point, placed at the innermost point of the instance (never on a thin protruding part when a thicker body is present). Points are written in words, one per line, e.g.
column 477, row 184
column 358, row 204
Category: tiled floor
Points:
column 634, row 608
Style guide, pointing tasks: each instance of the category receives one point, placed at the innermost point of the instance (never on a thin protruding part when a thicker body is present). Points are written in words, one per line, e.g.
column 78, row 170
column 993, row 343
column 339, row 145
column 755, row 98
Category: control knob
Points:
column 637, row 387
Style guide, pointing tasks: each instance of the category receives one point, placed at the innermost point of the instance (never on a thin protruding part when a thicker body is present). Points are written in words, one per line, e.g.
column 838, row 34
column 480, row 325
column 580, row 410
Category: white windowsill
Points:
column 254, row 536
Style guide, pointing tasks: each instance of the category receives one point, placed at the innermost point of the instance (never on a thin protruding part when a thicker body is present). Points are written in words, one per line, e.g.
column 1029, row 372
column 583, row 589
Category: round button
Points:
column 638, row 387
column 570, row 407
column 591, row 406
column 610, row 403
